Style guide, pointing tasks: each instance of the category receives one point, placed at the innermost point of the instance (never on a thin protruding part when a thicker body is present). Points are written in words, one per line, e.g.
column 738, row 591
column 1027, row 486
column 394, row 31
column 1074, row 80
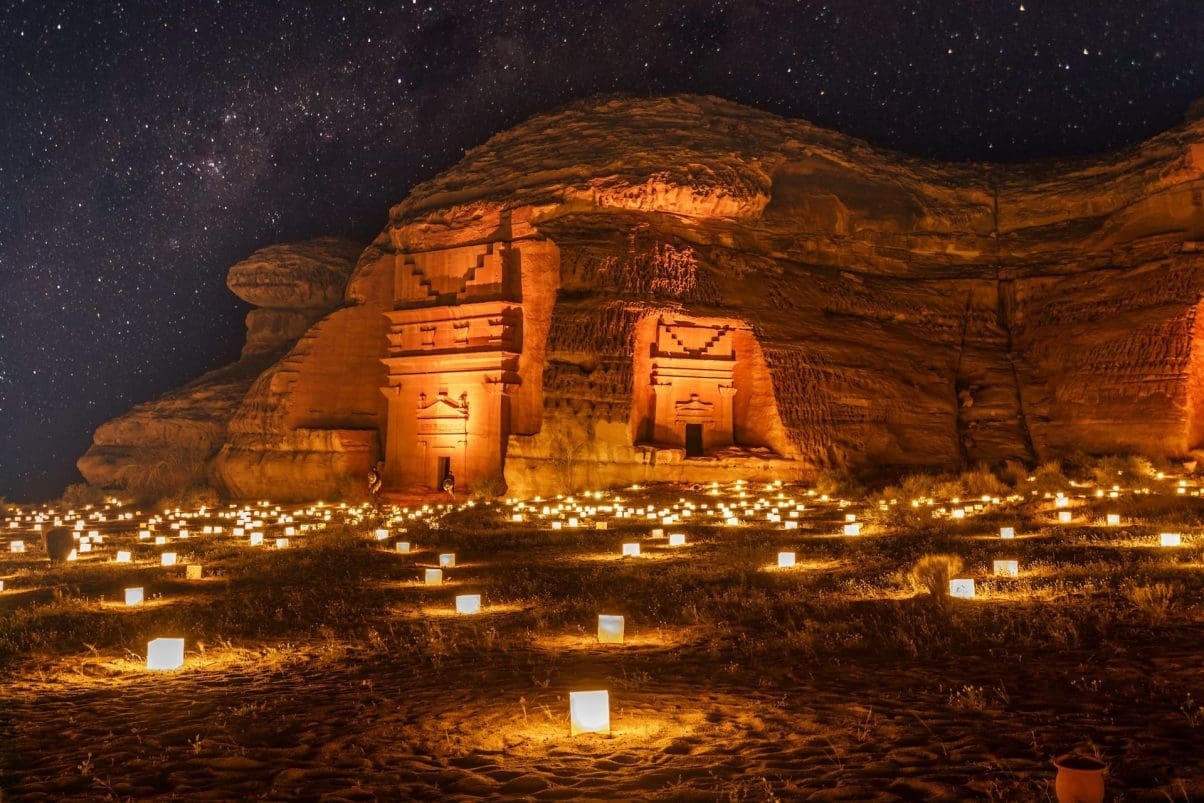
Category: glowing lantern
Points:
column 1007, row 568
column 1170, row 539
column 85, row 546
column 468, row 603
column 1061, row 501
column 599, row 525
column 791, row 525
column 124, row 556
column 433, row 577
column 165, row 654
column 961, row 588
column 160, row 540
column 677, row 539
column 958, row 513
column 403, row 546
column 282, row 543
column 658, row 533
column 610, row 629
column 447, row 560
column 852, row 529
column 1064, row 517
column 133, row 596
column 167, row 559
column 517, row 518
column 16, row 546
column 1, row 585
column 785, row 560
column 631, row 550
column 589, row 712
column 1007, row 532
column 380, row 534
column 194, row 571
column 1113, row 519
column 256, row 539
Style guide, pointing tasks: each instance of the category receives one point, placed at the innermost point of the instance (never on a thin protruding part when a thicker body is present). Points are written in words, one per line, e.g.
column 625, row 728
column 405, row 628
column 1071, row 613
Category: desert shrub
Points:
column 1013, row 473
column 351, row 489
column 191, row 498
column 932, row 573
column 1111, row 469
column 1048, row 478
column 487, row 488
column 1154, row 601
column 81, row 494
column 981, row 481
column 837, row 482
column 164, row 473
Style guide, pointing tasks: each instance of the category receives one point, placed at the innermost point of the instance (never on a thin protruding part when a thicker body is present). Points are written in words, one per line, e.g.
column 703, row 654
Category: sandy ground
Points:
column 410, row 701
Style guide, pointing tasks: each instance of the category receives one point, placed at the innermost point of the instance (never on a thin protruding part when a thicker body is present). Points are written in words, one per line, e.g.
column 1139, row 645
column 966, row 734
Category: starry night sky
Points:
column 144, row 148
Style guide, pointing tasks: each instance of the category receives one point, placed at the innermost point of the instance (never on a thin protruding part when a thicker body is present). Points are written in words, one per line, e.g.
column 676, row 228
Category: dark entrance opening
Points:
column 693, row 440
column 443, row 470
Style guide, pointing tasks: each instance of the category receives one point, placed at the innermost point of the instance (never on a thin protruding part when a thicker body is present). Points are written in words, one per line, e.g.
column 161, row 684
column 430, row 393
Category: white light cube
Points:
column 677, row 539
column 403, row 547
column 1064, row 517
column 958, row 513
column 164, row 654
column 380, row 534
column 631, row 550
column 433, row 577
column 961, row 588
column 447, row 560
column 160, row 540
column 1170, row 539
column 785, row 560
column 589, row 712
column 282, row 543
column 791, row 524
column 85, row 546
column 1007, row 532
column 133, row 596
column 1113, row 519
column 1007, row 568
column 658, row 533
column 610, row 629
column 167, row 559
column 16, row 546
column 852, row 529
column 468, row 603
column 144, row 535
column 124, row 556
column 256, row 539
column 1061, row 501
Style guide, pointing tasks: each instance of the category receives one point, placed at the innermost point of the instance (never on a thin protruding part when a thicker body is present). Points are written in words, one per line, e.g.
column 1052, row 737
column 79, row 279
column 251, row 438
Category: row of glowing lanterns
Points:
column 589, row 710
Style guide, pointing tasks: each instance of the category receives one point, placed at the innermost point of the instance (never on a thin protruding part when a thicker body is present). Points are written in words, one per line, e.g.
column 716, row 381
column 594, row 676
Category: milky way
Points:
column 144, row 148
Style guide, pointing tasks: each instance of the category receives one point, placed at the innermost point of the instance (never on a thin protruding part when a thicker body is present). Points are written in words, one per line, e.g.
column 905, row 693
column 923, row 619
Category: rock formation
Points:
column 631, row 290
column 169, row 441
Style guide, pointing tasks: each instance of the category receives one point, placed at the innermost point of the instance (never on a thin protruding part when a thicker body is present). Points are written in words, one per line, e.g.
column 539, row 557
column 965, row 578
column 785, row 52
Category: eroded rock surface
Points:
column 629, row 290
column 294, row 285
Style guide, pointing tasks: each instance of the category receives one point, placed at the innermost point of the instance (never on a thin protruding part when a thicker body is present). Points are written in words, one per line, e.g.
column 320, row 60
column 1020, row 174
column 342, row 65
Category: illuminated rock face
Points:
column 685, row 289
column 181, row 431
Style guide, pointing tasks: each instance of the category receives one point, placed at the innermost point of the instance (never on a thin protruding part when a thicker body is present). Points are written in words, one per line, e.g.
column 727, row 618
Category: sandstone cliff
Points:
column 169, row 441
column 683, row 288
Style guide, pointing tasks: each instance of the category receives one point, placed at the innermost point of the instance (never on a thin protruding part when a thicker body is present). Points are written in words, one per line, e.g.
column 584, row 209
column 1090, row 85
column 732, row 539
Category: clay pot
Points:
column 1080, row 778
